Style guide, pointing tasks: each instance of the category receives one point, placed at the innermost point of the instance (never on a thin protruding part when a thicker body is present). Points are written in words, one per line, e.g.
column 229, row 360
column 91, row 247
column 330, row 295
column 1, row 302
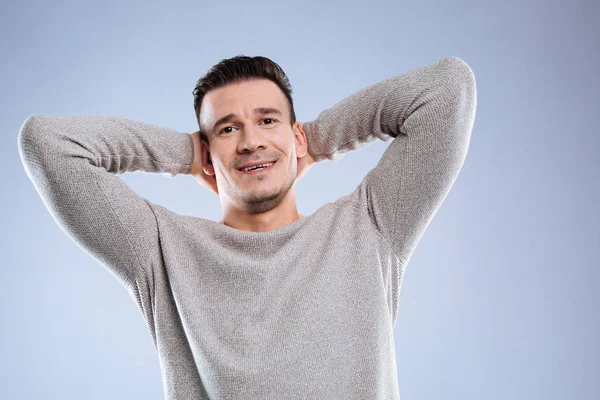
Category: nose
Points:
column 251, row 138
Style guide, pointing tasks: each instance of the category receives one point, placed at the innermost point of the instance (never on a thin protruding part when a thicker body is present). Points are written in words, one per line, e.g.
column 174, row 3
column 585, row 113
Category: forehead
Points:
column 240, row 98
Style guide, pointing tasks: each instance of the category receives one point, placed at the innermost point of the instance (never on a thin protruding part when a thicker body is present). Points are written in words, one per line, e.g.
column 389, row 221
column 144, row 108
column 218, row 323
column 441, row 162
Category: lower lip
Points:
column 258, row 171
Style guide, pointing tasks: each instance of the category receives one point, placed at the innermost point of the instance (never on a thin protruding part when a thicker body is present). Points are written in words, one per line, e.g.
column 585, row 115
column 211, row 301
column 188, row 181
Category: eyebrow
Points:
column 259, row 110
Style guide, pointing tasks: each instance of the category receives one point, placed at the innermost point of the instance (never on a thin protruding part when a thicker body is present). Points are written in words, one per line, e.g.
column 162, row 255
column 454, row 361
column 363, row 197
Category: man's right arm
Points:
column 73, row 162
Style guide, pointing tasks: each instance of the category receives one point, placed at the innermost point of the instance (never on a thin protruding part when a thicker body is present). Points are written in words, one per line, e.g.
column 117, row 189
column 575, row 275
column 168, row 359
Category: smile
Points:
column 256, row 171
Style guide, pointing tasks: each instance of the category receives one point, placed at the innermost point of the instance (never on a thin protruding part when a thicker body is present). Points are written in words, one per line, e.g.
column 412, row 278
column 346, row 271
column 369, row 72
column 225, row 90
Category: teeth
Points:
column 257, row 166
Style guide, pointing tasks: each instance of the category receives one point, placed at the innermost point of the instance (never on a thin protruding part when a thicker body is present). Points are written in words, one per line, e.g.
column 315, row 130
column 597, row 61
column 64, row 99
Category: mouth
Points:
column 260, row 170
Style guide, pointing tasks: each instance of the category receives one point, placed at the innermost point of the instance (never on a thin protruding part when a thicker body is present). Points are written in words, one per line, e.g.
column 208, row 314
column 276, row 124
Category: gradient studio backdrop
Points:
column 500, row 299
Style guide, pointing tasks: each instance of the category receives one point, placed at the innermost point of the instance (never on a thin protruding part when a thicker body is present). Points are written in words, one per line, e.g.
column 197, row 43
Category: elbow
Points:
column 28, row 139
column 25, row 133
column 460, row 70
column 461, row 86
column 461, row 77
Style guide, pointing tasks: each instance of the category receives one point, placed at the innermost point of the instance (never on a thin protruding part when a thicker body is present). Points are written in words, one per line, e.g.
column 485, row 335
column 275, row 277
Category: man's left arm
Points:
column 429, row 112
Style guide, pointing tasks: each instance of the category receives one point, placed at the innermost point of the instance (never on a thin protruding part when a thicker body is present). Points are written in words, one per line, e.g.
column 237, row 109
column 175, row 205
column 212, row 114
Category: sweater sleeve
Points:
column 73, row 162
column 429, row 113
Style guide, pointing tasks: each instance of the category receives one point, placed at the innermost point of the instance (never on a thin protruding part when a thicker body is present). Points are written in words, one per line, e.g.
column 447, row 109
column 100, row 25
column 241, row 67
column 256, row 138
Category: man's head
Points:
column 245, row 115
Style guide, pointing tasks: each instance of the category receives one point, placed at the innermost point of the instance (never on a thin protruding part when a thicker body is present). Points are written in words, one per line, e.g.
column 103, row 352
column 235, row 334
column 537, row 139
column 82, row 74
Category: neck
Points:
column 281, row 215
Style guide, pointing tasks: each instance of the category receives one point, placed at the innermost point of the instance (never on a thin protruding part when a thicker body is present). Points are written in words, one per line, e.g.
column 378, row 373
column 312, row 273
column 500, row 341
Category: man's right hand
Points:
column 208, row 182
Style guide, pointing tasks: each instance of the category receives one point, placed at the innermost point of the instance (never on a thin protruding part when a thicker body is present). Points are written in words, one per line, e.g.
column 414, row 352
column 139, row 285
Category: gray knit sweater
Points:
column 305, row 311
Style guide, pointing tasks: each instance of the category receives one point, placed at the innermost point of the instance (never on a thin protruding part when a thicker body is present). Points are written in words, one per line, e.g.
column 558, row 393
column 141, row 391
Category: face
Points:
column 256, row 129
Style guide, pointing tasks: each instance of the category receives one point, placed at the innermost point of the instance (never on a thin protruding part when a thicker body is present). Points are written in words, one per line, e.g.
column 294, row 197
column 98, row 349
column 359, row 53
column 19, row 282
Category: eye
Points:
column 221, row 131
column 264, row 119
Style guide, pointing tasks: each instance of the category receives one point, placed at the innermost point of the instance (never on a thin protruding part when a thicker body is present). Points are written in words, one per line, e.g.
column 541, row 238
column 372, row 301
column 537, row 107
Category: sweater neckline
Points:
column 281, row 231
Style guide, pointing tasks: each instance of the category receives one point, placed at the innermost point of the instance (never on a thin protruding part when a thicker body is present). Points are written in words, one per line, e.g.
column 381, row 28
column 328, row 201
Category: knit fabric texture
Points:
column 305, row 311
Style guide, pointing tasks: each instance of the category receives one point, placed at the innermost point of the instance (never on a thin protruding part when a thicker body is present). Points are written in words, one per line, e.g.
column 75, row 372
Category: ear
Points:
column 300, row 139
column 207, row 165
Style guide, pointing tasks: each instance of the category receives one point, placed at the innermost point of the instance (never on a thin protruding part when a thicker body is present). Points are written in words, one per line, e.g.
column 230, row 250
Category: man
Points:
column 250, row 97
column 267, row 304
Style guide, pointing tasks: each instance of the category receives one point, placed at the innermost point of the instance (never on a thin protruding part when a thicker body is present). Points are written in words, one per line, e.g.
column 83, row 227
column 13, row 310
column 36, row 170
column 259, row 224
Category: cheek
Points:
column 220, row 170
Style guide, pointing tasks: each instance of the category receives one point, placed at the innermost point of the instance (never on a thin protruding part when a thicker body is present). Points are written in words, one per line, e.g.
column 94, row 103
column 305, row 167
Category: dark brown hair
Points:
column 239, row 69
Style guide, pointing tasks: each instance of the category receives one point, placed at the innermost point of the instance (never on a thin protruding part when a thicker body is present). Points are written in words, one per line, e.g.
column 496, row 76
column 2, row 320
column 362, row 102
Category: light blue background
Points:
column 501, row 297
